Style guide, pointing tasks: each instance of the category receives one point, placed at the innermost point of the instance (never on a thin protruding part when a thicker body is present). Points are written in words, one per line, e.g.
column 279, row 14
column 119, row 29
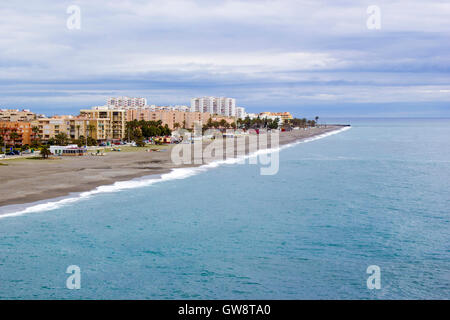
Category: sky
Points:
column 309, row 57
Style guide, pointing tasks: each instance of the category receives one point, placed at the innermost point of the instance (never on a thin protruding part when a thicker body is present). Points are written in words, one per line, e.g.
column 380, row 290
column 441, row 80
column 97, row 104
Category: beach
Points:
column 31, row 180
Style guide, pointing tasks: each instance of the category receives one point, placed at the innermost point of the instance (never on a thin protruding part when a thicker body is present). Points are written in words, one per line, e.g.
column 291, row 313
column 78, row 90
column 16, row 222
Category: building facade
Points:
column 240, row 113
column 49, row 128
column 173, row 119
column 214, row 105
column 15, row 115
column 126, row 102
column 23, row 133
column 104, row 123
column 283, row 116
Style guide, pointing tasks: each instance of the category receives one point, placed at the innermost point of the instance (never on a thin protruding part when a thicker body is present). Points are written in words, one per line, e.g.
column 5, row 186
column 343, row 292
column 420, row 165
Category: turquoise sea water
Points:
column 378, row 194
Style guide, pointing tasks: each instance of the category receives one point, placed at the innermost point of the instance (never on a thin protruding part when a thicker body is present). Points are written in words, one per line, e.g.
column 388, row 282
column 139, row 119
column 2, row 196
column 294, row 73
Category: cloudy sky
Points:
column 305, row 56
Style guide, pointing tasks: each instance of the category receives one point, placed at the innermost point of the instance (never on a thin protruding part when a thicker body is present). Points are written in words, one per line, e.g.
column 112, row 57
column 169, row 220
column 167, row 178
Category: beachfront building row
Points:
column 100, row 125
column 173, row 119
column 214, row 105
column 281, row 116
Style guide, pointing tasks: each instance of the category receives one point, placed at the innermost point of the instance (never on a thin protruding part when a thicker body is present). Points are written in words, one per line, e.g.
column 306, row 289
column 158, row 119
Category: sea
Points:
column 372, row 197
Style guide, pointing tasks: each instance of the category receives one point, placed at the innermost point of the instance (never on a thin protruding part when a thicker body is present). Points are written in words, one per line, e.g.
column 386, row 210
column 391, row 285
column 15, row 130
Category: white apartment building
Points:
column 240, row 113
column 126, row 102
column 205, row 104
column 214, row 105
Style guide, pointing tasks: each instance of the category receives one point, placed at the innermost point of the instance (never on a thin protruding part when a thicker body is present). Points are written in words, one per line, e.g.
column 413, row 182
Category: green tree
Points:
column 80, row 141
column 140, row 142
column 45, row 152
column 91, row 129
column 36, row 138
column 78, row 130
column 273, row 124
column 91, row 141
column 14, row 136
column 62, row 139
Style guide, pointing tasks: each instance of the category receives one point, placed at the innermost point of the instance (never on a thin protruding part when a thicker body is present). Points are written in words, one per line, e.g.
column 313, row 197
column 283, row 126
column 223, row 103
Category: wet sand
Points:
column 26, row 180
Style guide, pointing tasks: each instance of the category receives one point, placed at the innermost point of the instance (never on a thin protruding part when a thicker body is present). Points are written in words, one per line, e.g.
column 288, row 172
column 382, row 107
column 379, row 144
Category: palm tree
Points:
column 35, row 131
column 91, row 129
column 317, row 120
column 78, row 130
column 14, row 136
column 45, row 152
column 62, row 139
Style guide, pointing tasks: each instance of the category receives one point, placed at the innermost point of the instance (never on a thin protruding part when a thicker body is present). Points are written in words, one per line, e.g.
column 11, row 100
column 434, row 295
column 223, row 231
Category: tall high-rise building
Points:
column 126, row 102
column 214, row 105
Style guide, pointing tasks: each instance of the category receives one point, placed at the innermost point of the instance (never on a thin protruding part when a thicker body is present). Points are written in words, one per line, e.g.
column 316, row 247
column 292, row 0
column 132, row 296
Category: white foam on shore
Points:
column 177, row 173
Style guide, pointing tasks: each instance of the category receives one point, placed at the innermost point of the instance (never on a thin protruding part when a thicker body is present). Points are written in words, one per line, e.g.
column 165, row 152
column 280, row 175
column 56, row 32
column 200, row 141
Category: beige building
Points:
column 105, row 123
column 15, row 115
column 169, row 117
column 283, row 116
column 73, row 126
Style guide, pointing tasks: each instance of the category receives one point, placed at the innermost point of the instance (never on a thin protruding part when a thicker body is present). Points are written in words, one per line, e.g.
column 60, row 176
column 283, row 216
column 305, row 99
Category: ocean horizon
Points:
column 376, row 194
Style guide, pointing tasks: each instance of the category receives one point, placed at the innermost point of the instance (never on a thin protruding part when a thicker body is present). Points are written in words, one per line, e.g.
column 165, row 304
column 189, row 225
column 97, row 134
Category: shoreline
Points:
column 88, row 174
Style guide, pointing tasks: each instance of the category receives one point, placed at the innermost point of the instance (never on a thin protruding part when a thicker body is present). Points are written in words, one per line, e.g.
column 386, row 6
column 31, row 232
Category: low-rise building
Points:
column 283, row 116
column 70, row 150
